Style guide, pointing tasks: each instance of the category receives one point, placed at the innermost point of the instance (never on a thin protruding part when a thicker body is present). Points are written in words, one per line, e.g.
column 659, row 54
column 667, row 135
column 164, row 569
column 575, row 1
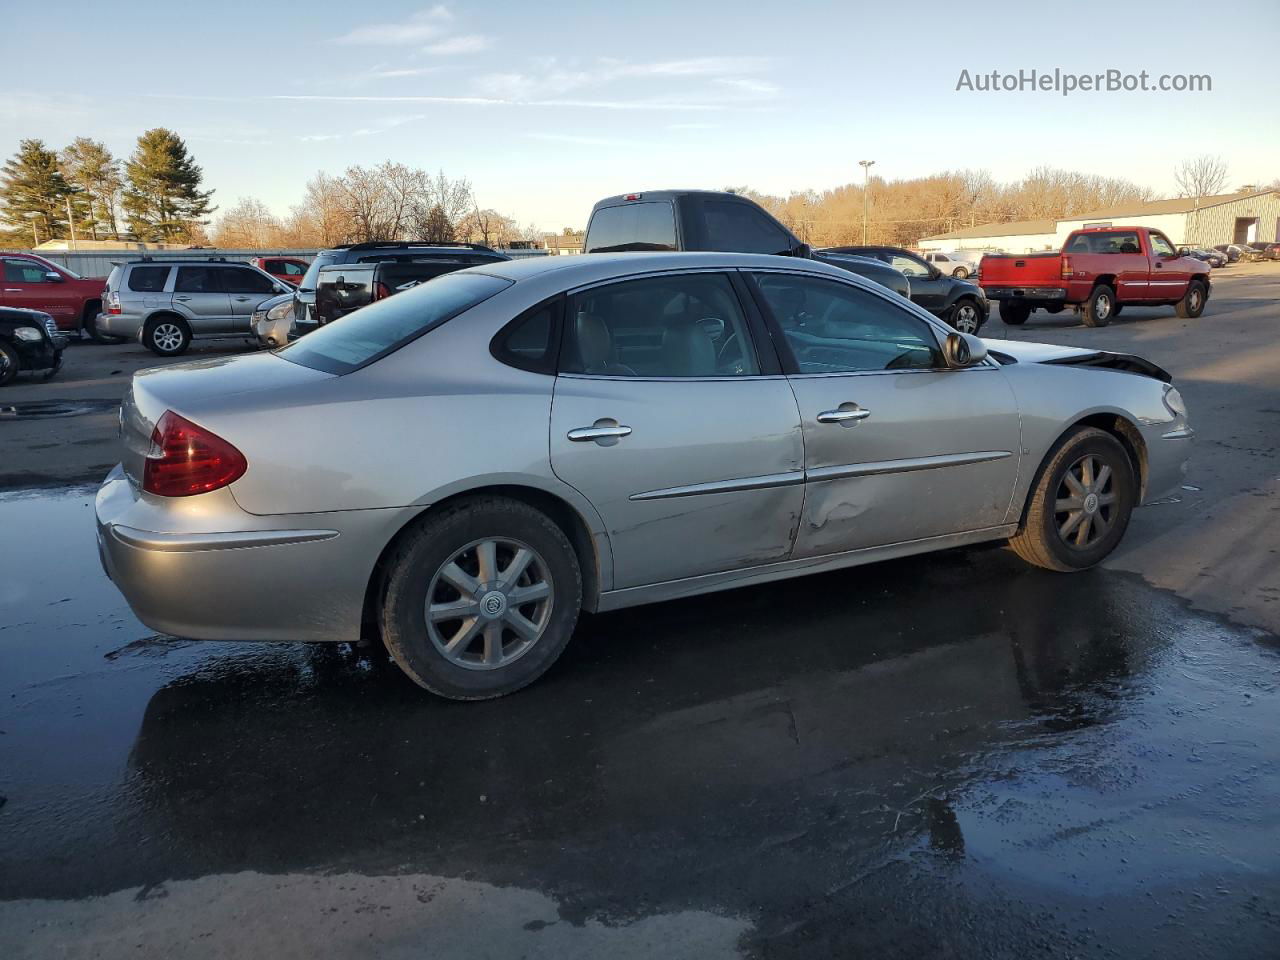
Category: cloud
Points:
column 469, row 101
column 424, row 25
column 756, row 87
column 464, row 43
column 691, row 126
column 551, row 78
column 388, row 123
column 384, row 74
column 587, row 141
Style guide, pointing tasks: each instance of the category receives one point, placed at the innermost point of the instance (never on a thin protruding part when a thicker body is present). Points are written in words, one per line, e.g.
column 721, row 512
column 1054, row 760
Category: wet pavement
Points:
column 950, row 756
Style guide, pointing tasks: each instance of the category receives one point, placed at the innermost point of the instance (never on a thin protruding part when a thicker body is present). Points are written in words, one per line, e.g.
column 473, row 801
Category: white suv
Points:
column 953, row 264
column 164, row 304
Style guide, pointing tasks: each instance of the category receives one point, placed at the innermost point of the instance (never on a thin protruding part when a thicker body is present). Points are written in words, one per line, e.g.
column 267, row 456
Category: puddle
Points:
column 53, row 409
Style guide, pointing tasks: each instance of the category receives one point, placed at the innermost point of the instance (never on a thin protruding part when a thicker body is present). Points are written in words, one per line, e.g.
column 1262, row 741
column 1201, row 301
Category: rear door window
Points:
column 647, row 225
column 148, row 279
column 741, row 228
column 196, row 280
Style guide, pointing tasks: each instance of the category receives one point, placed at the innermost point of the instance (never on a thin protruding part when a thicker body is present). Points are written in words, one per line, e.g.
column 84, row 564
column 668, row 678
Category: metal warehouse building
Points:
column 1204, row 221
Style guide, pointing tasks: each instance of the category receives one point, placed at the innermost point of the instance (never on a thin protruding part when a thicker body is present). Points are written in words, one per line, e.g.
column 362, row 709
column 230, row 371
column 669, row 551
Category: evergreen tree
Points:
column 33, row 190
column 163, row 200
column 89, row 166
column 436, row 227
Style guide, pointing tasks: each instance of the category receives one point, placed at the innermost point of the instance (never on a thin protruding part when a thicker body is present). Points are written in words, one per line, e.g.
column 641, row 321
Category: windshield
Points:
column 372, row 332
column 323, row 259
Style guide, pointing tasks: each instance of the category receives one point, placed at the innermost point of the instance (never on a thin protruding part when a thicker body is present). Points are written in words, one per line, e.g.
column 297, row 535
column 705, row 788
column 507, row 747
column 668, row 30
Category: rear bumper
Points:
column 203, row 568
column 1044, row 294
column 120, row 324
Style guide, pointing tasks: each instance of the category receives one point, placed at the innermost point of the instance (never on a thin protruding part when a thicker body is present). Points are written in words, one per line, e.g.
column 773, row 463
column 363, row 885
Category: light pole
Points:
column 33, row 216
column 866, row 166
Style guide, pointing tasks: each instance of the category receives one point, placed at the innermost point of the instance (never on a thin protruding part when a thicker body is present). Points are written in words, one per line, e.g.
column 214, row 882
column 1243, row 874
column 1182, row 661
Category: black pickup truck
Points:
column 713, row 220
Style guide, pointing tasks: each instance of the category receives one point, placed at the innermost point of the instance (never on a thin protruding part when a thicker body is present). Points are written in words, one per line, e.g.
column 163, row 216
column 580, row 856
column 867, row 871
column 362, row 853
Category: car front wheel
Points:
column 1098, row 310
column 1080, row 505
column 10, row 363
column 965, row 316
column 481, row 598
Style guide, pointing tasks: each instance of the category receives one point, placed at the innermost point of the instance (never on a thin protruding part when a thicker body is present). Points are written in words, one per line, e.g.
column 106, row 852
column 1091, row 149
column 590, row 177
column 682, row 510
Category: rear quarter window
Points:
column 148, row 279
column 648, row 225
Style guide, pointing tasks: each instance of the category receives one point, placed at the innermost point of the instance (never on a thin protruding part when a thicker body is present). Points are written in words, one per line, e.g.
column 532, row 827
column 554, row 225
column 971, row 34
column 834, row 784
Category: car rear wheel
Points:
column 1014, row 314
column 965, row 316
column 10, row 363
column 1098, row 310
column 960, row 273
column 481, row 598
column 1192, row 303
column 167, row 336
column 1080, row 505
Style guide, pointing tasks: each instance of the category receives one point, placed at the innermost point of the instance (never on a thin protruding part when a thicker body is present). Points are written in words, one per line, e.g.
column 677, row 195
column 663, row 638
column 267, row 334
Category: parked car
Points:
column 35, row 283
column 290, row 270
column 508, row 444
column 343, row 288
column 1214, row 258
column 165, row 303
column 461, row 254
column 711, row 220
column 958, row 302
column 1229, row 250
column 1269, row 249
column 29, row 340
column 1100, row 270
column 1248, row 253
column 271, row 324
column 962, row 268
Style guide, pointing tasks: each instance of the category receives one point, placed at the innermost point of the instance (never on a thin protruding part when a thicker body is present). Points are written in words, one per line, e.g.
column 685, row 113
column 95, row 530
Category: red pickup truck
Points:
column 33, row 282
column 1099, row 270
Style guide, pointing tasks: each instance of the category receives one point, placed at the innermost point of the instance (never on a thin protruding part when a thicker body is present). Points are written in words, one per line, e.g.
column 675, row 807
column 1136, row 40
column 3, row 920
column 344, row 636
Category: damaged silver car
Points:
column 462, row 468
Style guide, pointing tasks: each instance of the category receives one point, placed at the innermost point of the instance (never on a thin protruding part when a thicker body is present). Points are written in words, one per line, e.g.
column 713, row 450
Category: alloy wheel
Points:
column 489, row 603
column 1085, row 506
column 167, row 337
column 966, row 318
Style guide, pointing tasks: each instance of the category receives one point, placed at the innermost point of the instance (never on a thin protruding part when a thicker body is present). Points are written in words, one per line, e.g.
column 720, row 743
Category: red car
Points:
column 1099, row 270
column 34, row 283
column 288, row 269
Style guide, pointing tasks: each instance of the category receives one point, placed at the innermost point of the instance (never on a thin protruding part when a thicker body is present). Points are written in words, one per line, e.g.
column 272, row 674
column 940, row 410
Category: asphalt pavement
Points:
column 945, row 756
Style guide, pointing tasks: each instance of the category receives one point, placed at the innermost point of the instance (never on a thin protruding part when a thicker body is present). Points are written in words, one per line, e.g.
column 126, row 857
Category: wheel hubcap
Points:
column 1195, row 299
column 1086, row 502
column 1104, row 307
column 167, row 337
column 489, row 604
column 967, row 319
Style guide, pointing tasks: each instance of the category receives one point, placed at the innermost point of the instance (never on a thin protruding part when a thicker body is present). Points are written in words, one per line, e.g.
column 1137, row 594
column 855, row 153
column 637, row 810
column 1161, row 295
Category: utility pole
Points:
column 71, row 220
column 35, row 234
column 866, row 166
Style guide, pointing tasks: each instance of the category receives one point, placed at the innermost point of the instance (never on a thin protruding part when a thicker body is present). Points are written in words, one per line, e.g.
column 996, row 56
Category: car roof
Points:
column 574, row 270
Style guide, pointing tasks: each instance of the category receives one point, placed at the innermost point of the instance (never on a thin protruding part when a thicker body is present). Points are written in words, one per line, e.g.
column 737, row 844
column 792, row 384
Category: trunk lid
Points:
column 186, row 387
column 1028, row 270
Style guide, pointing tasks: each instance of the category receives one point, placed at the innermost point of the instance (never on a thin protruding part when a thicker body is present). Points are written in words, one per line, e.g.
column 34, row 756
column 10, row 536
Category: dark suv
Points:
column 960, row 303
column 451, row 256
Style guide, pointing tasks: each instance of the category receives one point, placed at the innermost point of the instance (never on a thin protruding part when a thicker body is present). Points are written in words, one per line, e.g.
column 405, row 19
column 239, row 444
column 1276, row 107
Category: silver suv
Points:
column 163, row 304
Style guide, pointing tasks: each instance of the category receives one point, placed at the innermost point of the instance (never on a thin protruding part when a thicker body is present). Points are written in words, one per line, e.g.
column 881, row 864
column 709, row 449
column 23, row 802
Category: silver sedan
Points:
column 462, row 468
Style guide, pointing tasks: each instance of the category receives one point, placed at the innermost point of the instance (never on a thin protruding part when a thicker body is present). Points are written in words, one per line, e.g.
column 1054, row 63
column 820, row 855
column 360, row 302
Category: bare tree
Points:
column 247, row 224
column 1201, row 176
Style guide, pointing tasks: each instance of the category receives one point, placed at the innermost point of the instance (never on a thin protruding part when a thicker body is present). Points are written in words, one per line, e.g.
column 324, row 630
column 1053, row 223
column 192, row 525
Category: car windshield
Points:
column 381, row 328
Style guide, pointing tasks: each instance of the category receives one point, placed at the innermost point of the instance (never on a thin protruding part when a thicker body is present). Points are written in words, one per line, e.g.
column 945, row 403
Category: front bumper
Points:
column 203, row 568
column 1168, row 455
column 42, row 354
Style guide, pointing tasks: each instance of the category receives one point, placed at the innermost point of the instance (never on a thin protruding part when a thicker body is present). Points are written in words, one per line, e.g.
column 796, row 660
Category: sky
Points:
column 547, row 107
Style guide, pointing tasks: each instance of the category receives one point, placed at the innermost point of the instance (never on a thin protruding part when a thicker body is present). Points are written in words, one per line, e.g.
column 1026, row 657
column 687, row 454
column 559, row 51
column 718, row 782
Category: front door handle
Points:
column 183, row 299
column 604, row 431
column 242, row 299
column 12, row 289
column 847, row 414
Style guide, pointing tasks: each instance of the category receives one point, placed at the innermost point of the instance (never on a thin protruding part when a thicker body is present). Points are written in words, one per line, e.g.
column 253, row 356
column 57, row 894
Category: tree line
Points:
column 154, row 195
column 390, row 201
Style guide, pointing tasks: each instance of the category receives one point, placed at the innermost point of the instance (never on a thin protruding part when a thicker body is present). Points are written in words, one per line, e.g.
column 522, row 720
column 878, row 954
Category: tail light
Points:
column 113, row 302
column 1066, row 268
column 186, row 459
column 381, row 291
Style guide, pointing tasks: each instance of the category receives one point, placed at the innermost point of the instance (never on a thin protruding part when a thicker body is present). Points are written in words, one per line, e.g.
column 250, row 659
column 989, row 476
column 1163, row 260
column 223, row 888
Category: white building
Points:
column 1204, row 221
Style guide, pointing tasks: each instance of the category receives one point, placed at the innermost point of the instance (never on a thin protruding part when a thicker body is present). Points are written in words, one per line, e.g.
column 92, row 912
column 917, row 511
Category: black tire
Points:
column 965, row 315
column 1041, row 540
column 1014, row 314
column 1192, row 303
column 10, row 364
column 90, row 326
column 961, row 273
column 1098, row 310
column 415, row 569
column 166, row 335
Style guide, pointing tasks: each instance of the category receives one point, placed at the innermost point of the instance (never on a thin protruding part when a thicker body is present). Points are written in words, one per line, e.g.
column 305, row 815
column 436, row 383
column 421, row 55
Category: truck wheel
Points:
column 1014, row 314
column 965, row 316
column 1098, row 310
column 1192, row 303
column 166, row 335
column 10, row 364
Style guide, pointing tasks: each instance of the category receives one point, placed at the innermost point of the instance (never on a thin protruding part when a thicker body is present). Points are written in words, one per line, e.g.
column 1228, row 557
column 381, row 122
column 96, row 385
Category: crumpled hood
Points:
column 1025, row 352
column 1021, row 352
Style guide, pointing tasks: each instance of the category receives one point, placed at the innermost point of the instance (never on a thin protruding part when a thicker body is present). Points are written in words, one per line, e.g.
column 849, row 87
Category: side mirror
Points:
column 963, row 350
column 803, row 251
column 52, row 277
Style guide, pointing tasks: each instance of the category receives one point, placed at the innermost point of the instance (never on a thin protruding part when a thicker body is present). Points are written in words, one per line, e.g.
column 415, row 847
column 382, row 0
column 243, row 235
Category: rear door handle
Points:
column 604, row 431
column 846, row 413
